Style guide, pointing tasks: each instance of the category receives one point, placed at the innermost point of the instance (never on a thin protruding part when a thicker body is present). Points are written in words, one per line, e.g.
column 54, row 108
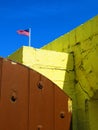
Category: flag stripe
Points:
column 24, row 32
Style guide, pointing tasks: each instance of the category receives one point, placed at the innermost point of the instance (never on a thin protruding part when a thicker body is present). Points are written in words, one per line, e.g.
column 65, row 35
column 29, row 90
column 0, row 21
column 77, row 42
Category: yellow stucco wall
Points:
column 83, row 42
column 52, row 64
column 17, row 56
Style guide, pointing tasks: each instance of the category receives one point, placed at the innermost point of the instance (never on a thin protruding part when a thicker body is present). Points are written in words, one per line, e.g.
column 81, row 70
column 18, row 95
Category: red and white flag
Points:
column 24, row 32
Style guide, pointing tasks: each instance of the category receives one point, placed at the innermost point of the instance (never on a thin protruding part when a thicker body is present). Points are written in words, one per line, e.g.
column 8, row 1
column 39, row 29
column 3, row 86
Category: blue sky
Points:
column 48, row 19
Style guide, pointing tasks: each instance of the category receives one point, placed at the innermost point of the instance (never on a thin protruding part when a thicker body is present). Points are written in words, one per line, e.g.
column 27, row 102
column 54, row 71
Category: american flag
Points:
column 24, row 32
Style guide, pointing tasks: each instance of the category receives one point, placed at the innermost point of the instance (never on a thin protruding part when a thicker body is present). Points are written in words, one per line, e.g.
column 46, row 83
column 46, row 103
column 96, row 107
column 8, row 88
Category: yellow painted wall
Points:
column 17, row 56
column 49, row 63
column 54, row 65
column 93, row 114
column 83, row 42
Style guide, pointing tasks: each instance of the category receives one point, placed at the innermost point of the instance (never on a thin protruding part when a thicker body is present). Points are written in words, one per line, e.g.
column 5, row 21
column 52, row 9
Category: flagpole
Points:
column 29, row 36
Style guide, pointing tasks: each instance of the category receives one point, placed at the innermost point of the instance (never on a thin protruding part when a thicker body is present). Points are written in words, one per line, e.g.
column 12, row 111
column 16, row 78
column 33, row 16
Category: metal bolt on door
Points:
column 30, row 101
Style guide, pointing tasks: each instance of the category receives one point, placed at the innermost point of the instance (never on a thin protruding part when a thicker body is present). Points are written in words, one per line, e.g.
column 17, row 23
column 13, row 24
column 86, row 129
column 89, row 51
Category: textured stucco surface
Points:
column 52, row 64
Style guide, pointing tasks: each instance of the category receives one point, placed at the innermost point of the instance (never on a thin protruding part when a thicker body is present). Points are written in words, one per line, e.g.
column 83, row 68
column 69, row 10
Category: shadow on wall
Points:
column 68, row 87
column 93, row 112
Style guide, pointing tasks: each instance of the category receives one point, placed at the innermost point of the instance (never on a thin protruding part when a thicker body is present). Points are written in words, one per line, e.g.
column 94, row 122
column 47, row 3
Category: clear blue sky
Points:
column 48, row 20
